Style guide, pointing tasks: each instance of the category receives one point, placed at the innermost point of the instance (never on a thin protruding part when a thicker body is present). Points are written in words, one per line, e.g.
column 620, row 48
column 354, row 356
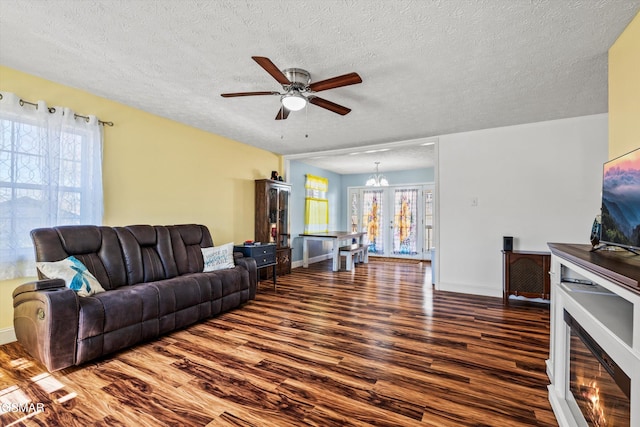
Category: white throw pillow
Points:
column 218, row 257
column 74, row 273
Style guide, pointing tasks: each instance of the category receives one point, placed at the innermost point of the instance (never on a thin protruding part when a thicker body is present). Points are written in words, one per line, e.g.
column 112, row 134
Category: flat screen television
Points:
column 621, row 202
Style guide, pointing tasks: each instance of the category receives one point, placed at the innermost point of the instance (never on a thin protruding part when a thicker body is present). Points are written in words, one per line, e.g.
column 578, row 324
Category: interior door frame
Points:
column 423, row 253
column 435, row 141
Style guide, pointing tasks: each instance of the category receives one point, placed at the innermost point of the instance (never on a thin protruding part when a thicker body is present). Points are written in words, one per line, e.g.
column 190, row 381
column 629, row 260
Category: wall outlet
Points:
column 474, row 202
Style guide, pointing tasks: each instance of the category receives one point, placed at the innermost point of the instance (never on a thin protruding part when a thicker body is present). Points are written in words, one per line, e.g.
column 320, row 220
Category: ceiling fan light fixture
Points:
column 293, row 101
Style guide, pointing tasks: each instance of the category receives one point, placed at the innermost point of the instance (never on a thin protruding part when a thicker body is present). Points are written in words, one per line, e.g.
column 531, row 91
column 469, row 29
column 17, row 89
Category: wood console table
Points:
column 619, row 266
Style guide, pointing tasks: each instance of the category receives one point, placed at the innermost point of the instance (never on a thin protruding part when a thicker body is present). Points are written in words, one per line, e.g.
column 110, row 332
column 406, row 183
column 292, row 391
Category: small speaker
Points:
column 507, row 243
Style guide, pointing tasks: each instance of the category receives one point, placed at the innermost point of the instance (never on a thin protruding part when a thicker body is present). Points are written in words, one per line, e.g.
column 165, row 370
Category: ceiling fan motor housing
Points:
column 299, row 78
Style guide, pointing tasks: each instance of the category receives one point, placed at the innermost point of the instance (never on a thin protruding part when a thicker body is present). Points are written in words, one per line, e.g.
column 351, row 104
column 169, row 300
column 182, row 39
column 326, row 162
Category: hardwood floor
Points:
column 374, row 346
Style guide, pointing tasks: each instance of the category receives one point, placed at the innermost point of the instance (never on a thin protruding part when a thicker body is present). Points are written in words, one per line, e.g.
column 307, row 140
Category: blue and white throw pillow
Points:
column 218, row 257
column 74, row 273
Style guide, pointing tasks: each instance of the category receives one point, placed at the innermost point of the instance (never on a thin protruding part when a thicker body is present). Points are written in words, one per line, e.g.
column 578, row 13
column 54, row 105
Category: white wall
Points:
column 538, row 182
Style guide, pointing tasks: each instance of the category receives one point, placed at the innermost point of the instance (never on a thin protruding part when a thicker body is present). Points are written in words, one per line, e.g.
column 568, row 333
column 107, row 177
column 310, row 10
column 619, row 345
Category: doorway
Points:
column 398, row 219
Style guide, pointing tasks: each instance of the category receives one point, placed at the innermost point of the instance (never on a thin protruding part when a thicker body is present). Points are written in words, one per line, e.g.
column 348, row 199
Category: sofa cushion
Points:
column 128, row 305
column 80, row 240
column 187, row 241
column 96, row 247
column 233, row 280
column 117, row 309
column 74, row 273
column 182, row 300
column 235, row 287
column 147, row 251
column 179, row 292
column 218, row 257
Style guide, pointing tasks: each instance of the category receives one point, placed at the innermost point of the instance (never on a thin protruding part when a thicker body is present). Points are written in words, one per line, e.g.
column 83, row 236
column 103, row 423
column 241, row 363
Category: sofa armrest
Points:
column 38, row 285
column 45, row 319
column 250, row 265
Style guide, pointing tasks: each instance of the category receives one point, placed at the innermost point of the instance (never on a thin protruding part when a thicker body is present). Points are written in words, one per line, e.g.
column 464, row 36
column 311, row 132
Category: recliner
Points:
column 153, row 281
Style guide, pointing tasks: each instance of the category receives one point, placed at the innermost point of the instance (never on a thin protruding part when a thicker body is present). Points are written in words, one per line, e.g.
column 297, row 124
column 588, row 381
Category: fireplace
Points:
column 599, row 389
column 594, row 347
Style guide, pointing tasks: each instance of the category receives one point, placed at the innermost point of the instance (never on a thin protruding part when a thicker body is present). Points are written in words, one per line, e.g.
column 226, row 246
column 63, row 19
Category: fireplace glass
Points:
column 600, row 388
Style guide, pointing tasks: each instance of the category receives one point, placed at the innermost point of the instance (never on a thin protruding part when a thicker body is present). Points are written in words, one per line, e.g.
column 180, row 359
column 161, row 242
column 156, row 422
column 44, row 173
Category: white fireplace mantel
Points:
column 610, row 315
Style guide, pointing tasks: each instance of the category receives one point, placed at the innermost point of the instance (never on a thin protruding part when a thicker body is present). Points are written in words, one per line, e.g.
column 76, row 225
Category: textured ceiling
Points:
column 428, row 67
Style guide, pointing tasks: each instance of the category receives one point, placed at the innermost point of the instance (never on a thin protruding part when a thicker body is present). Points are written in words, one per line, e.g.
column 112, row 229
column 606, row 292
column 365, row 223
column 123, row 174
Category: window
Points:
column 50, row 174
column 316, row 205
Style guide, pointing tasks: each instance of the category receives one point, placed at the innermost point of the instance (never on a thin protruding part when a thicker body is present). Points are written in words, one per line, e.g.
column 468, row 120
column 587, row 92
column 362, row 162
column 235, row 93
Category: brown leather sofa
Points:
column 153, row 281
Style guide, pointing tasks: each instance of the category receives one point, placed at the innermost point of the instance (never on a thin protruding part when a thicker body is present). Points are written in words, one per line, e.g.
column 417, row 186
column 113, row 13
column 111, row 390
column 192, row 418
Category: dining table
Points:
column 336, row 237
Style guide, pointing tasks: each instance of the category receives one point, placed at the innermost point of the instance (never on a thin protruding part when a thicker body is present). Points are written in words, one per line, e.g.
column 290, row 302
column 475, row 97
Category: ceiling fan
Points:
column 298, row 89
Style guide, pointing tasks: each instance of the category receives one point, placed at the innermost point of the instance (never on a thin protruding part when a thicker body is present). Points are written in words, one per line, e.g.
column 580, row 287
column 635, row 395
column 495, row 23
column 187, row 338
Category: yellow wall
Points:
column 157, row 171
column 624, row 91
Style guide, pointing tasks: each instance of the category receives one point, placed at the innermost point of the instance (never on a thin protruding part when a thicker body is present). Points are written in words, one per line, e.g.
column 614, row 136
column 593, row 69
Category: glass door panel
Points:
column 272, row 209
column 373, row 220
column 283, row 219
column 405, row 222
column 428, row 221
column 354, row 208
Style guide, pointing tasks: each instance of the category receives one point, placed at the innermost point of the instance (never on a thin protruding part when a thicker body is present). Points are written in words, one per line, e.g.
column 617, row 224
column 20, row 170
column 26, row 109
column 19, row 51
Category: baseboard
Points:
column 474, row 290
column 319, row 258
column 7, row 335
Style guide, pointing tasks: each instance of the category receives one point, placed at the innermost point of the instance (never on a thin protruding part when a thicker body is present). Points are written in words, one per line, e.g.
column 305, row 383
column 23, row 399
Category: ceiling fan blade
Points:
column 283, row 113
column 231, row 95
column 271, row 68
column 344, row 80
column 331, row 106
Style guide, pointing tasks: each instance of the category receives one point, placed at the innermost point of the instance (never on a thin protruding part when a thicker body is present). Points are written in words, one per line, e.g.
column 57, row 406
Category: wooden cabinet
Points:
column 272, row 221
column 526, row 274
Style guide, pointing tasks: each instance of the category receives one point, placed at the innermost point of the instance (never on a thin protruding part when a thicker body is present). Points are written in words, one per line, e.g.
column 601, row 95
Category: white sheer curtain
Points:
column 50, row 174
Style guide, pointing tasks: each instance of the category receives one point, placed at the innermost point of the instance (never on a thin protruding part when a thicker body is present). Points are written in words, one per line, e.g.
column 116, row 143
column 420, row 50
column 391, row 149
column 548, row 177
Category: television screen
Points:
column 621, row 201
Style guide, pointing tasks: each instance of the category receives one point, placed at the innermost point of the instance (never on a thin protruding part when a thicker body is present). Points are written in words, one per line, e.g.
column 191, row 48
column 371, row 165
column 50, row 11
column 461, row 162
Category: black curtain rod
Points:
column 53, row 110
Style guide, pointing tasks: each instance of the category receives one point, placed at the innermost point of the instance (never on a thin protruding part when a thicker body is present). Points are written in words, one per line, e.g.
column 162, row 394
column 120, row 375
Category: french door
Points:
column 398, row 219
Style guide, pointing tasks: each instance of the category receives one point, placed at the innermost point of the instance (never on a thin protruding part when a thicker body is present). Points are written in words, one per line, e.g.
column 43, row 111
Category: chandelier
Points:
column 377, row 179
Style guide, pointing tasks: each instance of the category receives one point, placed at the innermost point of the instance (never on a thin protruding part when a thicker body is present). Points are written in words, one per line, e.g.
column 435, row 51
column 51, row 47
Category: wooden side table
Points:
column 265, row 256
column 526, row 273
